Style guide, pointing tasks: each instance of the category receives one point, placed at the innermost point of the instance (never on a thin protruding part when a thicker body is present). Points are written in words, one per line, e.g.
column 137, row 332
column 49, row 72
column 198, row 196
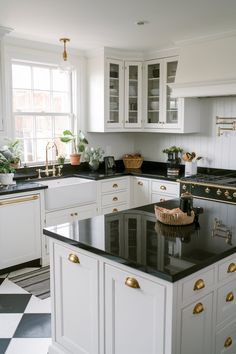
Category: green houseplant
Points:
column 6, row 171
column 93, row 157
column 12, row 151
column 174, row 159
column 78, row 145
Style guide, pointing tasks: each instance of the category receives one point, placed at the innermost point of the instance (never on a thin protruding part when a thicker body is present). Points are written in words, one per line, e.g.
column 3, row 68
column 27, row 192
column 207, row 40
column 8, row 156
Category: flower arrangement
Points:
column 93, row 157
column 173, row 153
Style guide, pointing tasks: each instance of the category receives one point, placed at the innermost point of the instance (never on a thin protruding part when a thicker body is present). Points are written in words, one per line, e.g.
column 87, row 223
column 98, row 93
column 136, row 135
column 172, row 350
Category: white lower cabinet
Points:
column 75, row 302
column 134, row 313
column 141, row 191
column 20, row 228
column 196, row 327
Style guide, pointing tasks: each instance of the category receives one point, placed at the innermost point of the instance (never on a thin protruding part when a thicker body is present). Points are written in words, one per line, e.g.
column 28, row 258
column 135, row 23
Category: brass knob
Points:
column 75, row 214
column 218, row 192
column 198, row 308
column 132, row 283
column 184, row 187
column 234, row 194
column 229, row 297
column 71, row 214
column 115, row 199
column 114, row 210
column 207, row 190
column 163, row 188
column 115, row 185
column 228, row 342
column 73, row 258
column 227, row 193
column 162, row 200
column 199, row 285
column 140, row 183
column 231, row 268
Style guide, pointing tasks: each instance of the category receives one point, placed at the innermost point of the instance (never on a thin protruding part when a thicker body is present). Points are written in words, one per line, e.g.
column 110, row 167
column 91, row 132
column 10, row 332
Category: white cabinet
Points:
column 140, row 191
column 75, row 301
column 163, row 190
column 115, row 195
column 162, row 112
column 20, row 228
column 134, row 317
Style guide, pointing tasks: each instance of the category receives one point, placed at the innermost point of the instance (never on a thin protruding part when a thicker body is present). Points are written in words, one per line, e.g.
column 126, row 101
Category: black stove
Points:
column 212, row 187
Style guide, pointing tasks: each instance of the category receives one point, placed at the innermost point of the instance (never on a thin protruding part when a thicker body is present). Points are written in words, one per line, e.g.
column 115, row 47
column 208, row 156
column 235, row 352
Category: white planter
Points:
column 6, row 178
column 190, row 168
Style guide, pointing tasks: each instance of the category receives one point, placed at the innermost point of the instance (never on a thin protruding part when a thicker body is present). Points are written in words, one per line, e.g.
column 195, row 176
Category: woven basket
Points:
column 132, row 162
column 173, row 216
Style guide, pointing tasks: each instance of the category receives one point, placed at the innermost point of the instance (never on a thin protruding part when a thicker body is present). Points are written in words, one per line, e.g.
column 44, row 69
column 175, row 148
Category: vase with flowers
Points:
column 173, row 159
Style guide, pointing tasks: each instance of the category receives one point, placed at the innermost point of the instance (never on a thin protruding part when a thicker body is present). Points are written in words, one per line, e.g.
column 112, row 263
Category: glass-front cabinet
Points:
column 161, row 110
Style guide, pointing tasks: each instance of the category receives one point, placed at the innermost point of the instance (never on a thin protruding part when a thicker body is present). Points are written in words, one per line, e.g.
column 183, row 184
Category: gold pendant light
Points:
column 65, row 65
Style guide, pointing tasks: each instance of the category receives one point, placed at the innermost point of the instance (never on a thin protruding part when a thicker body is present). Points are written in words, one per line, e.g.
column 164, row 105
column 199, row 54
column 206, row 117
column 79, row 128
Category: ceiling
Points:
column 96, row 23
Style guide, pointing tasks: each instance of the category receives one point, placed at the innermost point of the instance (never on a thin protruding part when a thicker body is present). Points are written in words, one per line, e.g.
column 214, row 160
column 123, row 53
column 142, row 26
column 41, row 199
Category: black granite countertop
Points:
column 21, row 187
column 168, row 252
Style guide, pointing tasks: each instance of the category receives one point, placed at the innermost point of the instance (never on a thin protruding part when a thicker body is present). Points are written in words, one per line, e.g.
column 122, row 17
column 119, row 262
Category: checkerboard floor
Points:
column 25, row 321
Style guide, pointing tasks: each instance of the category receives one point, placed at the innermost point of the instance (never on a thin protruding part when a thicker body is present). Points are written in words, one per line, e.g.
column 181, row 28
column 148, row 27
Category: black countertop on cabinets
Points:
column 21, row 187
column 168, row 252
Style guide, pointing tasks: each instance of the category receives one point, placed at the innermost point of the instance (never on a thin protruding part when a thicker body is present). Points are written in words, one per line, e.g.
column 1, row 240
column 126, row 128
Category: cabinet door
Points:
column 153, row 94
column 114, row 93
column 114, row 242
column 196, row 327
column 140, row 193
column 133, row 94
column 75, row 301
column 20, row 230
column 132, row 239
column 134, row 317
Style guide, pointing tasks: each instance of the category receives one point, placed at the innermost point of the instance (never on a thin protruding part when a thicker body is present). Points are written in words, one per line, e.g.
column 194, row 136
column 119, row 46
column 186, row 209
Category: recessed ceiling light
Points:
column 141, row 23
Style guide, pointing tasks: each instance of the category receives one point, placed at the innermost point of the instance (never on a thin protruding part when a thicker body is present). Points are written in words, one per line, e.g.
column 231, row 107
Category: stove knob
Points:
column 218, row 192
column 207, row 190
column 184, row 187
column 234, row 194
column 227, row 195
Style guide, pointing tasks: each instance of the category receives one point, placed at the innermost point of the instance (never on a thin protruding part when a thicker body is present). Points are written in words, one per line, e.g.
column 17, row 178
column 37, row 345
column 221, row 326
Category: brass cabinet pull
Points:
column 132, row 283
column 229, row 297
column 228, row 342
column 115, row 185
column 140, row 183
column 231, row 268
column 71, row 214
column 199, row 285
column 20, row 200
column 115, row 199
column 163, row 188
column 114, row 210
column 198, row 308
column 73, row 258
column 76, row 214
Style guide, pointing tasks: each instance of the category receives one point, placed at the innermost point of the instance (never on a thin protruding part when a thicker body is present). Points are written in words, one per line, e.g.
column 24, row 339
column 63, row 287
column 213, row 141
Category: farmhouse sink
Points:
column 68, row 192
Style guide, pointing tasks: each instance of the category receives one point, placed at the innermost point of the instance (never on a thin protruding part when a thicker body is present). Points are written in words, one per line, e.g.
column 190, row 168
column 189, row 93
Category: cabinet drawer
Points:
column 114, row 209
column 226, row 301
column 164, row 187
column 115, row 198
column 157, row 197
column 227, row 270
column 226, row 339
column 114, row 185
column 198, row 285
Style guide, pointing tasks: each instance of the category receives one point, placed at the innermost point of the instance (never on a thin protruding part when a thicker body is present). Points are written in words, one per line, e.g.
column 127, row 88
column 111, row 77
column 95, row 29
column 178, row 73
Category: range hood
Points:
column 207, row 69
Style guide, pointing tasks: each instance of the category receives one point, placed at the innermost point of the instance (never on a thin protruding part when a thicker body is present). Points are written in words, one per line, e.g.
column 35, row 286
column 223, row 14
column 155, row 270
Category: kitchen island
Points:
column 124, row 283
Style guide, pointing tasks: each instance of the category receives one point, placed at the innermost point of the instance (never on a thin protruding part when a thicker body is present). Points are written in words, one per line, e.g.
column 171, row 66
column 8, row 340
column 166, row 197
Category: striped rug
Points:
column 36, row 282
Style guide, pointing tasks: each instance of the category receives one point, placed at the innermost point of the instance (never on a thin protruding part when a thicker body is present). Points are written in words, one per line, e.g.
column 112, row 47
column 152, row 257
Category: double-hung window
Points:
column 42, row 107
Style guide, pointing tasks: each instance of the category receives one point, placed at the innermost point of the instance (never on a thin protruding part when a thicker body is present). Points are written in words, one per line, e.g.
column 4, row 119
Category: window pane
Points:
column 21, row 76
column 62, row 123
column 41, row 101
column 60, row 81
column 41, row 150
column 60, row 102
column 41, row 78
column 21, row 100
column 28, row 148
column 24, row 126
column 44, row 127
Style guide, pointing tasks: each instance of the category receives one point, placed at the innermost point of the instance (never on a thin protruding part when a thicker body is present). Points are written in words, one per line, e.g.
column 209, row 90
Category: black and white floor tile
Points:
column 25, row 320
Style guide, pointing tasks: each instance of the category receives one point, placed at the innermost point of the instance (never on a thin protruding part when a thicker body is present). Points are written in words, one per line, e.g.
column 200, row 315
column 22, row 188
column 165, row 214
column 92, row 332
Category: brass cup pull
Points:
column 115, row 199
column 114, row 210
column 73, row 258
column 71, row 214
column 231, row 268
column 132, row 283
column 198, row 308
column 228, row 342
column 199, row 285
column 115, row 185
column 140, row 183
column 229, row 297
column 163, row 188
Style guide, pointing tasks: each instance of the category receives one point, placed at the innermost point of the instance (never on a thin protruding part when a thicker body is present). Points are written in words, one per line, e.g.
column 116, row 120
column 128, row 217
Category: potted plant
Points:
column 12, row 151
column 6, row 171
column 78, row 145
column 93, row 157
column 174, row 159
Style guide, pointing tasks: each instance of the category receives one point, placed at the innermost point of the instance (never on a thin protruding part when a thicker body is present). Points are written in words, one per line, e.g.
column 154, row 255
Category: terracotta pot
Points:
column 75, row 159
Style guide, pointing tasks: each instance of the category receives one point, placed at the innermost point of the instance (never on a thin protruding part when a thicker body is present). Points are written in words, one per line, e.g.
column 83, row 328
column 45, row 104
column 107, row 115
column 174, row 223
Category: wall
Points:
column 217, row 151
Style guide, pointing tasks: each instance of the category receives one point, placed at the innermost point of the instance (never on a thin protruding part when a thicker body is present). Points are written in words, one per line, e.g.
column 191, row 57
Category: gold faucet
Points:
column 50, row 145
